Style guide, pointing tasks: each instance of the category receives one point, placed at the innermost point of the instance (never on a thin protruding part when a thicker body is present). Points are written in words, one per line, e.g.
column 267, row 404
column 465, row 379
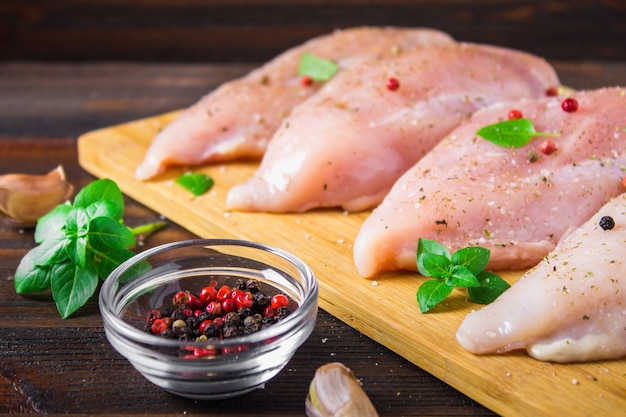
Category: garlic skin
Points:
column 336, row 392
column 25, row 198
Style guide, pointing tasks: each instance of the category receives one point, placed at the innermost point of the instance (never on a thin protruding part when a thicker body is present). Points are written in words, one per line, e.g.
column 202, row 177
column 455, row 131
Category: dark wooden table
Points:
column 55, row 366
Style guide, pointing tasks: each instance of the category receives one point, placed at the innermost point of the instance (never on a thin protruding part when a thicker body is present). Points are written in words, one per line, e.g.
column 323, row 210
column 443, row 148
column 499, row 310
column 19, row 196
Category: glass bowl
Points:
column 227, row 367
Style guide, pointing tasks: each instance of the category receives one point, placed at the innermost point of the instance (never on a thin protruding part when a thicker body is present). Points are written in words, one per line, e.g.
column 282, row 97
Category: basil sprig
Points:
column 463, row 269
column 79, row 244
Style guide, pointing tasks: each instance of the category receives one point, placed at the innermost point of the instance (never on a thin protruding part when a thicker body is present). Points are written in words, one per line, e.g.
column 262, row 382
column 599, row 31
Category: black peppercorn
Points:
column 230, row 331
column 232, row 319
column 252, row 286
column 607, row 223
column 261, row 300
column 211, row 331
column 244, row 312
column 282, row 312
column 192, row 322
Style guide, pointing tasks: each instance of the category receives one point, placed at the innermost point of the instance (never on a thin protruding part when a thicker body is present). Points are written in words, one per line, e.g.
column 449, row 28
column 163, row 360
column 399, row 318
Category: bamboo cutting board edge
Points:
column 511, row 385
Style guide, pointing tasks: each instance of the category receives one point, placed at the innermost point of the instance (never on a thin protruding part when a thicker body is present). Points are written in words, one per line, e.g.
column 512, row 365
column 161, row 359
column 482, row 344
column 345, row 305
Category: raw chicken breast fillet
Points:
column 238, row 119
column 469, row 191
column 349, row 143
column 569, row 308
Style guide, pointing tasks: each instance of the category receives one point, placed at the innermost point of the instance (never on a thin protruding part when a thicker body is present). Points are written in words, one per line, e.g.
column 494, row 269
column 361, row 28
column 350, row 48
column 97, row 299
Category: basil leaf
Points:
column 52, row 223
column 195, row 182
column 76, row 248
column 491, row 287
column 462, row 277
column 103, row 189
column 432, row 246
column 50, row 251
column 425, row 246
column 106, row 262
column 474, row 258
column 431, row 293
column 319, row 69
column 102, row 208
column 106, row 234
column 30, row 277
column 72, row 286
column 433, row 265
column 510, row 133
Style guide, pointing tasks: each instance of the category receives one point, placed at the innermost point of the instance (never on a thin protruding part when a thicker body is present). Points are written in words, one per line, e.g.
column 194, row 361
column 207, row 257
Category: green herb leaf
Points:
column 52, row 223
column 72, row 286
column 319, row 69
column 434, row 265
column 197, row 183
column 106, row 234
column 462, row 269
column 51, row 251
column 491, row 287
column 431, row 293
column 473, row 258
column 425, row 246
column 106, row 262
column 30, row 277
column 511, row 133
column 98, row 191
column 78, row 244
column 462, row 277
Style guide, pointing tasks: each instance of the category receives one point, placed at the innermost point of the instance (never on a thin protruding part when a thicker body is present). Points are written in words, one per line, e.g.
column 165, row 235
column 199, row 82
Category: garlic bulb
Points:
column 336, row 392
column 25, row 198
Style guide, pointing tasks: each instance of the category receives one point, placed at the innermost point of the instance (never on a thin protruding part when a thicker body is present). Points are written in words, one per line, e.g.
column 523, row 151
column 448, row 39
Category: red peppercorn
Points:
column 160, row 325
column 624, row 181
column 214, row 308
column 552, row 91
column 180, row 298
column 245, row 299
column 194, row 302
column 153, row 315
column 229, row 305
column 515, row 114
column 547, row 147
column 208, row 294
column 203, row 325
column 393, row 84
column 569, row 105
column 269, row 311
column 235, row 294
column 224, row 293
column 279, row 300
column 188, row 312
column 306, row 80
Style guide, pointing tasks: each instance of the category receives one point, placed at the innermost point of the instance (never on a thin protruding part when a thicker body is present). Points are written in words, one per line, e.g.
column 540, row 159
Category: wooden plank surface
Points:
column 256, row 30
column 383, row 309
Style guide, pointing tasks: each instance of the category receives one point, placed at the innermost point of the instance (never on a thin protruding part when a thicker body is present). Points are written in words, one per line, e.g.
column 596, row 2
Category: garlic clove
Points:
column 25, row 198
column 336, row 392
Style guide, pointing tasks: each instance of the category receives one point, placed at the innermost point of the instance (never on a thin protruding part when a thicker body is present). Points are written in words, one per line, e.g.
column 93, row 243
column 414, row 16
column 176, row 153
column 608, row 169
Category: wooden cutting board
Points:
column 383, row 309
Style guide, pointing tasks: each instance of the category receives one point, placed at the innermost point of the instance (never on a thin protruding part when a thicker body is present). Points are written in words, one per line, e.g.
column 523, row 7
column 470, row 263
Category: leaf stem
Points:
column 147, row 228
